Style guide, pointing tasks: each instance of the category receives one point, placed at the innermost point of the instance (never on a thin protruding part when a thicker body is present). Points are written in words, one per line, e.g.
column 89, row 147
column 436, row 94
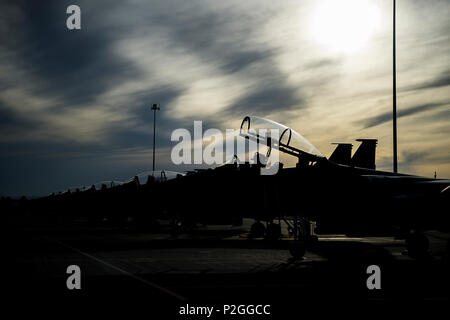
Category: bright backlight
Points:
column 344, row 25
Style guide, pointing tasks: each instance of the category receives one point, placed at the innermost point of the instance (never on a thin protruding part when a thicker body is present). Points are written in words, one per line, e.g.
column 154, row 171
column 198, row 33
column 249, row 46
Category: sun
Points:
column 344, row 25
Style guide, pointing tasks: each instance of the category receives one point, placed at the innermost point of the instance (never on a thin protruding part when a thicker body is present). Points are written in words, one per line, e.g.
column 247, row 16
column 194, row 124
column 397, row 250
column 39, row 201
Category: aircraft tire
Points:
column 257, row 230
column 273, row 231
column 297, row 249
column 417, row 244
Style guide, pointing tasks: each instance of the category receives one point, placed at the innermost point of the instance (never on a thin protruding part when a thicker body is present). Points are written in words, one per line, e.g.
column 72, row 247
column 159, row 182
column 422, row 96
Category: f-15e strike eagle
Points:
column 341, row 193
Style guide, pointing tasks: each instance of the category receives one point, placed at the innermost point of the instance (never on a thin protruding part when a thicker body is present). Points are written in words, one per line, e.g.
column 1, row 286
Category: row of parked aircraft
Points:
column 342, row 193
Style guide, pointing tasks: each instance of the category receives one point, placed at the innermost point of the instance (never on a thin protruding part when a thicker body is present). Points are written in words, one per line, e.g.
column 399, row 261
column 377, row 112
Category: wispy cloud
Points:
column 443, row 80
column 387, row 116
column 84, row 96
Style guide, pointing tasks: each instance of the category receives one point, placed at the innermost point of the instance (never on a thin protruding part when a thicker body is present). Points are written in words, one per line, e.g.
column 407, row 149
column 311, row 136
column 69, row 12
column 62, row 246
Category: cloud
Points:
column 321, row 63
column 442, row 80
column 387, row 116
column 73, row 66
column 238, row 61
column 267, row 98
column 79, row 99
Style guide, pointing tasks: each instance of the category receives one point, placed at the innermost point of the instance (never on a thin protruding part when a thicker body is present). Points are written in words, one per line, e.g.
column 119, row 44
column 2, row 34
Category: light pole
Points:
column 154, row 108
column 394, row 107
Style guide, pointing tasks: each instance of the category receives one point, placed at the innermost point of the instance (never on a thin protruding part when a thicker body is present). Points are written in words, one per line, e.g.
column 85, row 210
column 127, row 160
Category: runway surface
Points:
column 214, row 265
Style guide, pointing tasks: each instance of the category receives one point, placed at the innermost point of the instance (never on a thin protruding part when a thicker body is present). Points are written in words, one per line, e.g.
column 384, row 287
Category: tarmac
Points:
column 214, row 265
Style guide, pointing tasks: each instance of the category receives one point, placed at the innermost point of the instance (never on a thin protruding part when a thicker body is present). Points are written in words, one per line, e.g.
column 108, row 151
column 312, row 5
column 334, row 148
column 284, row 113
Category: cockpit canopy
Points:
column 285, row 139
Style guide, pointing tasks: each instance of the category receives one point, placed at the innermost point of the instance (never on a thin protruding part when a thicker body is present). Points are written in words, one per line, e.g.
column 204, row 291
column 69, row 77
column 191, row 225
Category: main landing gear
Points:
column 257, row 230
column 299, row 227
column 272, row 230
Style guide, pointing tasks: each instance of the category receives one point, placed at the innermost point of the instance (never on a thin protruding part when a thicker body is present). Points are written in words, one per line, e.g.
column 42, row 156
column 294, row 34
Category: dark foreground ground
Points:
column 160, row 273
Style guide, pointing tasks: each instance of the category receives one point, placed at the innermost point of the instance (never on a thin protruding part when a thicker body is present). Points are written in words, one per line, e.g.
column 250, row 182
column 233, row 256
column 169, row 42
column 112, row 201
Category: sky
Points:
column 75, row 104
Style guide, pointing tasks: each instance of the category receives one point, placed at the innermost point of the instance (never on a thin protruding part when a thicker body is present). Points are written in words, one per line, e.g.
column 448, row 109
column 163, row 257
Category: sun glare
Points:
column 344, row 25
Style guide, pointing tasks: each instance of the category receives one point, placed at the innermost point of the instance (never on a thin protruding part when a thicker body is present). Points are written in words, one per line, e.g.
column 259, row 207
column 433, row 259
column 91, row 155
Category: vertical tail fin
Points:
column 364, row 157
column 342, row 154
